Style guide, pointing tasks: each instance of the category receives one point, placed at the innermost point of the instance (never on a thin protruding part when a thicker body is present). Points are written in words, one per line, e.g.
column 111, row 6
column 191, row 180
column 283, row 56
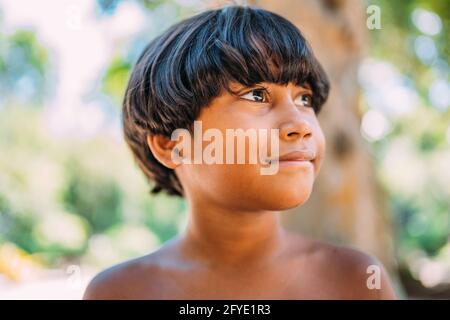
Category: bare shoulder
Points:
column 350, row 272
column 138, row 278
column 121, row 281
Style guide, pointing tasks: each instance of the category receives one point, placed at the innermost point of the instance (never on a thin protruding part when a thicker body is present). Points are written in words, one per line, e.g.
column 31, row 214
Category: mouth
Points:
column 296, row 158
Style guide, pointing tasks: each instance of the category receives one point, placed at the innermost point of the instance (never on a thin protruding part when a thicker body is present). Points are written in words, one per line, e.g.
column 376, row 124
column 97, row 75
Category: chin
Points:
column 295, row 202
column 286, row 199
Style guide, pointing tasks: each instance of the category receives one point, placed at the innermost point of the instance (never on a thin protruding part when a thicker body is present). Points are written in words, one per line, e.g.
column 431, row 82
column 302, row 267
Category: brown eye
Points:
column 304, row 100
column 255, row 95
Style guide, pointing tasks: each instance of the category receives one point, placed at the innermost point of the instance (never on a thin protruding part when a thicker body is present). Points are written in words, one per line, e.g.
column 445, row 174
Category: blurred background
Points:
column 72, row 201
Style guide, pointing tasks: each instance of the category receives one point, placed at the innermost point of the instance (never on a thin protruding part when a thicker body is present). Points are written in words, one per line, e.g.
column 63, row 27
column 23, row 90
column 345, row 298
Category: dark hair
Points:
column 182, row 70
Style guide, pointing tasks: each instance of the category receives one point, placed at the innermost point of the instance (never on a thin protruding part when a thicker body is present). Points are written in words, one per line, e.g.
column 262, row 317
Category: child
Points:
column 235, row 68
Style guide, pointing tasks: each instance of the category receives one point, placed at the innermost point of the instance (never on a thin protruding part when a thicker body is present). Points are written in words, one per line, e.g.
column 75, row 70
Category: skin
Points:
column 234, row 246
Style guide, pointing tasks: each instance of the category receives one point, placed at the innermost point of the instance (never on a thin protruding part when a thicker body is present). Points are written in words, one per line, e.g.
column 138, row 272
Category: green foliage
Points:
column 115, row 79
column 96, row 198
column 413, row 159
column 57, row 195
column 23, row 62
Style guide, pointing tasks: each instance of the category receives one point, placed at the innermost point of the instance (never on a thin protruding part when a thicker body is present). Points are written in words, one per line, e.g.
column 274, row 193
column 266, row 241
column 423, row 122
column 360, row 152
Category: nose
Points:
column 296, row 128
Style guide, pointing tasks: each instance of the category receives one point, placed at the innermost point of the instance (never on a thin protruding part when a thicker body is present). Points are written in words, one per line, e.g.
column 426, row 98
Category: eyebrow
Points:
column 305, row 89
column 239, row 88
column 305, row 85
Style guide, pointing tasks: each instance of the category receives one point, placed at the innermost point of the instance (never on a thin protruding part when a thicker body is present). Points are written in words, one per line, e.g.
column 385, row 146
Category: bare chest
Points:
column 283, row 284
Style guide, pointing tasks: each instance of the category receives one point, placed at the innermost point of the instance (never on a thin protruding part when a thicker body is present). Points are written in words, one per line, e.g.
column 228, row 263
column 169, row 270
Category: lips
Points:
column 299, row 155
column 298, row 158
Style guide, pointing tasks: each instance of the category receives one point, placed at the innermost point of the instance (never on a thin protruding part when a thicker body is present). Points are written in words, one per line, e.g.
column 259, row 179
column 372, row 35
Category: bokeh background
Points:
column 72, row 201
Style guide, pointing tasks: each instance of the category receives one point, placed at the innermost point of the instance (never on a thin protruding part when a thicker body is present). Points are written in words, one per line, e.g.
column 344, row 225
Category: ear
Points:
column 161, row 147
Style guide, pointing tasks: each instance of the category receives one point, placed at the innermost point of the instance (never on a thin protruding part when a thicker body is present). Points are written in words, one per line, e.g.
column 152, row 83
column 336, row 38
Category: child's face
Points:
column 286, row 108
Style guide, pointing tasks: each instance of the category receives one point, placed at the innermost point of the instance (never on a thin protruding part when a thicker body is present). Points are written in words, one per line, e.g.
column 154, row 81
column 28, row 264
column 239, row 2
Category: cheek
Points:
column 321, row 148
column 227, row 184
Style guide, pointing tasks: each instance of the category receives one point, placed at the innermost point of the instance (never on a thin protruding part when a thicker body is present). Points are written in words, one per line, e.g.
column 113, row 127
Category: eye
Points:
column 256, row 95
column 304, row 99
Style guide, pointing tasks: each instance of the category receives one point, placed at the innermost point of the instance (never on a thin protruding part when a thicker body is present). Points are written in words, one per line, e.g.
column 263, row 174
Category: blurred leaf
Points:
column 115, row 80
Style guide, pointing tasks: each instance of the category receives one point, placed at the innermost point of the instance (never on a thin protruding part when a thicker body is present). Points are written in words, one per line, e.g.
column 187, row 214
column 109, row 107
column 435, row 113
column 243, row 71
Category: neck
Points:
column 222, row 234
